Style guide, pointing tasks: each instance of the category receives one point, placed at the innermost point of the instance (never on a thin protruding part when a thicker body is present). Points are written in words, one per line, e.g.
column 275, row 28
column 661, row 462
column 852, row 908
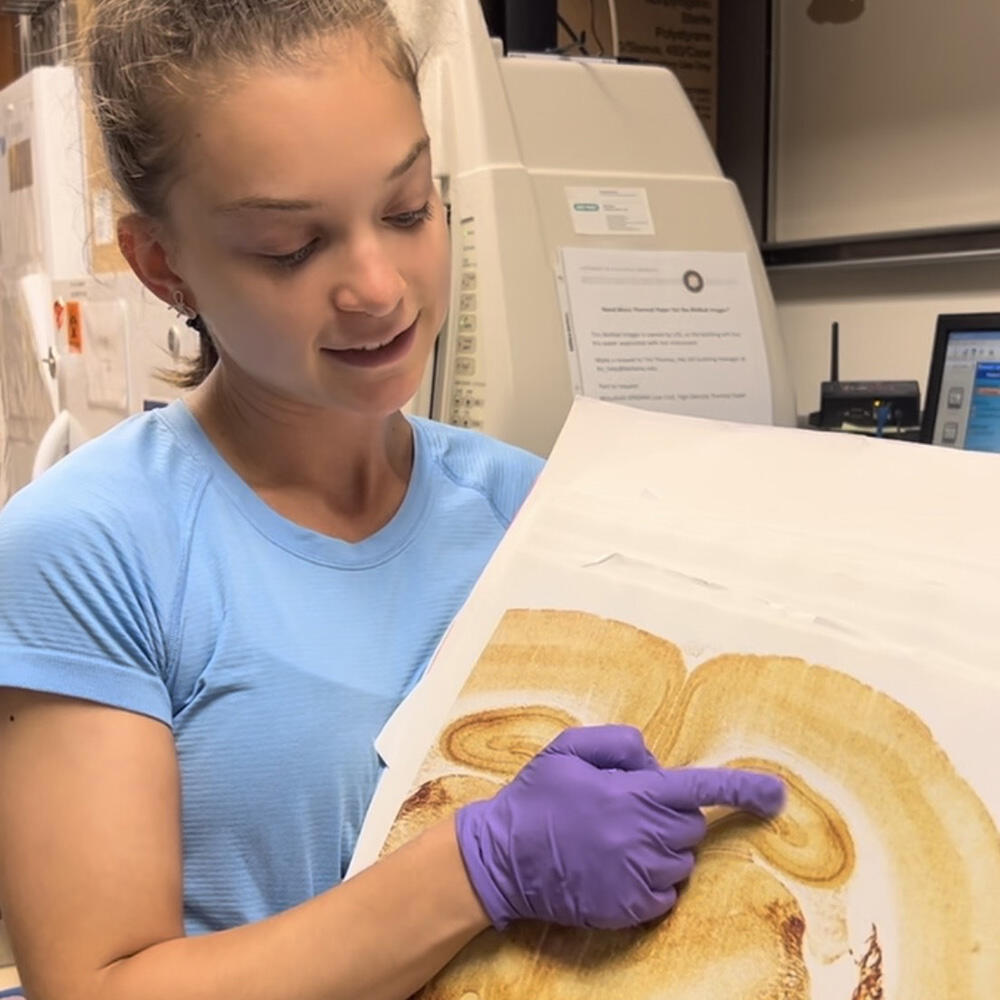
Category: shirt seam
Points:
column 180, row 587
column 465, row 484
column 210, row 477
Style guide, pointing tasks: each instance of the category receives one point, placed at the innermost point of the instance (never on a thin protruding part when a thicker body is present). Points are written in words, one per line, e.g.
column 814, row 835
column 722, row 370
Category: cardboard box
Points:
column 682, row 35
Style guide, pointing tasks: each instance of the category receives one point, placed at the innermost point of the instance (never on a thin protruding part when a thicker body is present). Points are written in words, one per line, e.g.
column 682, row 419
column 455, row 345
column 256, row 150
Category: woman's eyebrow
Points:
column 419, row 147
column 265, row 204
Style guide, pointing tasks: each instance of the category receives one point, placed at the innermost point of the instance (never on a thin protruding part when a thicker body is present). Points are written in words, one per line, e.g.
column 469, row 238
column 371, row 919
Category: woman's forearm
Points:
column 380, row 936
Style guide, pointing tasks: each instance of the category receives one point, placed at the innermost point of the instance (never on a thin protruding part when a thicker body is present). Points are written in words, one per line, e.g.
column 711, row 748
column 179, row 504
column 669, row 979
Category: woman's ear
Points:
column 141, row 242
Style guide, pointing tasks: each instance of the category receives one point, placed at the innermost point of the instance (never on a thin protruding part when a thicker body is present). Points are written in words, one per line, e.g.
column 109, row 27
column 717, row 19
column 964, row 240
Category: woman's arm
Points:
column 91, row 881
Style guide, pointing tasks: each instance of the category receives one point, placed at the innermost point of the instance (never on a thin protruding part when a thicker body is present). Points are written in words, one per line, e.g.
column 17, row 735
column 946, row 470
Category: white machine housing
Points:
column 42, row 195
column 44, row 259
column 509, row 135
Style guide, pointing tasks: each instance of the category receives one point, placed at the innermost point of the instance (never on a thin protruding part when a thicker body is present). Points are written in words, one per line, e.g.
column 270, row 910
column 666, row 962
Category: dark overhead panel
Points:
column 29, row 7
column 524, row 25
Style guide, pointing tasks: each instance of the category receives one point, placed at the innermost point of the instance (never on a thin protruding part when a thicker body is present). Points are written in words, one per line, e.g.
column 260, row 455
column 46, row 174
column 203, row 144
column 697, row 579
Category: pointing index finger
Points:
column 698, row 787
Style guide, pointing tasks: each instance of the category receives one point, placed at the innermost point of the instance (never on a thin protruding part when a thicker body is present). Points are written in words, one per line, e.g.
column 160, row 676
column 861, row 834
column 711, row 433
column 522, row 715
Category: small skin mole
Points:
column 12, row 718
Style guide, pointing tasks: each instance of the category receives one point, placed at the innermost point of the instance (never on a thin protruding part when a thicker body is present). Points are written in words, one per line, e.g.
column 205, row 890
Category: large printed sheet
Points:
column 819, row 607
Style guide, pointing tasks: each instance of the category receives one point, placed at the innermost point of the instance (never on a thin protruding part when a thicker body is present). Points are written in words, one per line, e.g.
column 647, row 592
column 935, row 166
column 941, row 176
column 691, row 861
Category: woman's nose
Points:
column 368, row 281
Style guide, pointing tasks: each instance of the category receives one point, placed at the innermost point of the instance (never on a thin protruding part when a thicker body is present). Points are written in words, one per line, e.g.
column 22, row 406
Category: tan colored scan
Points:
column 880, row 880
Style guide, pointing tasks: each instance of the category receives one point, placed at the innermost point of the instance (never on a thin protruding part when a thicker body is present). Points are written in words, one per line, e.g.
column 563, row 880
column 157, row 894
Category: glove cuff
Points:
column 470, row 834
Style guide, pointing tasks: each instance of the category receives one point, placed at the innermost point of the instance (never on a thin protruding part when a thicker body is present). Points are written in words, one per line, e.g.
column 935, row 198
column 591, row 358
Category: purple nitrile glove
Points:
column 593, row 833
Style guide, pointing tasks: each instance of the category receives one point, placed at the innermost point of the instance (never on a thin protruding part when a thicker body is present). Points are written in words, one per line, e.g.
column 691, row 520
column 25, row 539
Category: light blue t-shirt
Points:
column 141, row 572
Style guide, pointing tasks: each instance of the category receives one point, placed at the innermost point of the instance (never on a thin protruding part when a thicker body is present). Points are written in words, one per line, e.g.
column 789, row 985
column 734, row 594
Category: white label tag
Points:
column 599, row 211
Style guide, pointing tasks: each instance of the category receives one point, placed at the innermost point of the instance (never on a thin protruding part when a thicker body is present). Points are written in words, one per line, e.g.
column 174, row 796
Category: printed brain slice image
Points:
column 880, row 879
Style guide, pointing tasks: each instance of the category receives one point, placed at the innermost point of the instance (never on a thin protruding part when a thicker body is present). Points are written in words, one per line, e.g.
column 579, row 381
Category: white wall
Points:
column 888, row 120
column 887, row 316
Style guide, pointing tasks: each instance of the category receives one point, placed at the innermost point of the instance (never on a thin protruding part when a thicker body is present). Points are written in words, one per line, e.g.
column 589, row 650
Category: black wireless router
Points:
column 874, row 404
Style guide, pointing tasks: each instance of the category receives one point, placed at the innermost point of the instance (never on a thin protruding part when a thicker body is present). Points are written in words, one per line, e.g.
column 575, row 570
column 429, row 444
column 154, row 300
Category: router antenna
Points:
column 835, row 353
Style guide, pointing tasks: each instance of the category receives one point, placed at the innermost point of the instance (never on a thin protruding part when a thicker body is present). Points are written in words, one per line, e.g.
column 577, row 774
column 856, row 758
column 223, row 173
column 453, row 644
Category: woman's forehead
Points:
column 294, row 133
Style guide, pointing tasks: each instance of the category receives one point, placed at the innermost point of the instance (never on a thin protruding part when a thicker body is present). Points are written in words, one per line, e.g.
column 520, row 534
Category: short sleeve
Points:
column 80, row 612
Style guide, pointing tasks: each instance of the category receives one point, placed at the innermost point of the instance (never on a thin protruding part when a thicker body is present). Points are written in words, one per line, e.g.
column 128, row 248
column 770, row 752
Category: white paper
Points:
column 574, row 363
column 607, row 211
column 105, row 353
column 668, row 331
column 102, row 206
column 36, row 296
column 27, row 392
column 724, row 537
column 37, row 309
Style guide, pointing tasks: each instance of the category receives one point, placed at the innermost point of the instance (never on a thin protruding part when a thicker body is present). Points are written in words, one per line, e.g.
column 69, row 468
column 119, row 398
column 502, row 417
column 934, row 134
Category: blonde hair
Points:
column 146, row 59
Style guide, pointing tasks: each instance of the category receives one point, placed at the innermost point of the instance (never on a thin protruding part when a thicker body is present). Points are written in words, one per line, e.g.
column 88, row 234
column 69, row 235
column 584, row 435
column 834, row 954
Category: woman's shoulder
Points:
column 136, row 479
column 501, row 472
column 91, row 558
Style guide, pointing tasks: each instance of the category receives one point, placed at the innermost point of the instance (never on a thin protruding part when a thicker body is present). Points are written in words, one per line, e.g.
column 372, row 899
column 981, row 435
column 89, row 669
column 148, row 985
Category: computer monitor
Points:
column 963, row 388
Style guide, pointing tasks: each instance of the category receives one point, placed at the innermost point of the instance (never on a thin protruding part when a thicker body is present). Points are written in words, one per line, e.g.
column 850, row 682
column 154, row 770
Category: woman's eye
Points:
column 290, row 260
column 404, row 220
column 410, row 220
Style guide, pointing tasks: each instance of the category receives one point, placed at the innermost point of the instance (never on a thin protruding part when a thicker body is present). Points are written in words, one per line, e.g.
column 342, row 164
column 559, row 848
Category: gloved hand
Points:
column 593, row 833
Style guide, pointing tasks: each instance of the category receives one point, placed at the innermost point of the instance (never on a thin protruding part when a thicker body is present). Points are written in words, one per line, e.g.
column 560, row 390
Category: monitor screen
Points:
column 963, row 391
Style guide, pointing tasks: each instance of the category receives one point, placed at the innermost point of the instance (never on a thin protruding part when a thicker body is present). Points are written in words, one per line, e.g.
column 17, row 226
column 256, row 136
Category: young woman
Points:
column 208, row 614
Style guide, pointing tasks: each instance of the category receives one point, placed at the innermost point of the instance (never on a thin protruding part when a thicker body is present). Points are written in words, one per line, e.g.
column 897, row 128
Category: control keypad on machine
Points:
column 467, row 399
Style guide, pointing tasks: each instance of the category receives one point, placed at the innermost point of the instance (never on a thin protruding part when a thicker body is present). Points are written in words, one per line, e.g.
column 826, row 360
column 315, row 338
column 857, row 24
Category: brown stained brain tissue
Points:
column 741, row 928
column 870, row 987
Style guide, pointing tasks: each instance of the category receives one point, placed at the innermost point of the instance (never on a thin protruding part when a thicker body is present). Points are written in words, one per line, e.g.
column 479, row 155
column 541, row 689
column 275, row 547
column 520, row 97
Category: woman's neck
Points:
column 339, row 473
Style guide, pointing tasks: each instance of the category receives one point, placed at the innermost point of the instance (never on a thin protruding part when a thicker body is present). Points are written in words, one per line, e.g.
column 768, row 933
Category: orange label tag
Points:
column 74, row 328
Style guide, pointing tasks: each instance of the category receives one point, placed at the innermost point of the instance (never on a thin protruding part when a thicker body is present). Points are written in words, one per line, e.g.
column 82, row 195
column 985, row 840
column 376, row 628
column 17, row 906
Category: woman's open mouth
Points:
column 377, row 354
